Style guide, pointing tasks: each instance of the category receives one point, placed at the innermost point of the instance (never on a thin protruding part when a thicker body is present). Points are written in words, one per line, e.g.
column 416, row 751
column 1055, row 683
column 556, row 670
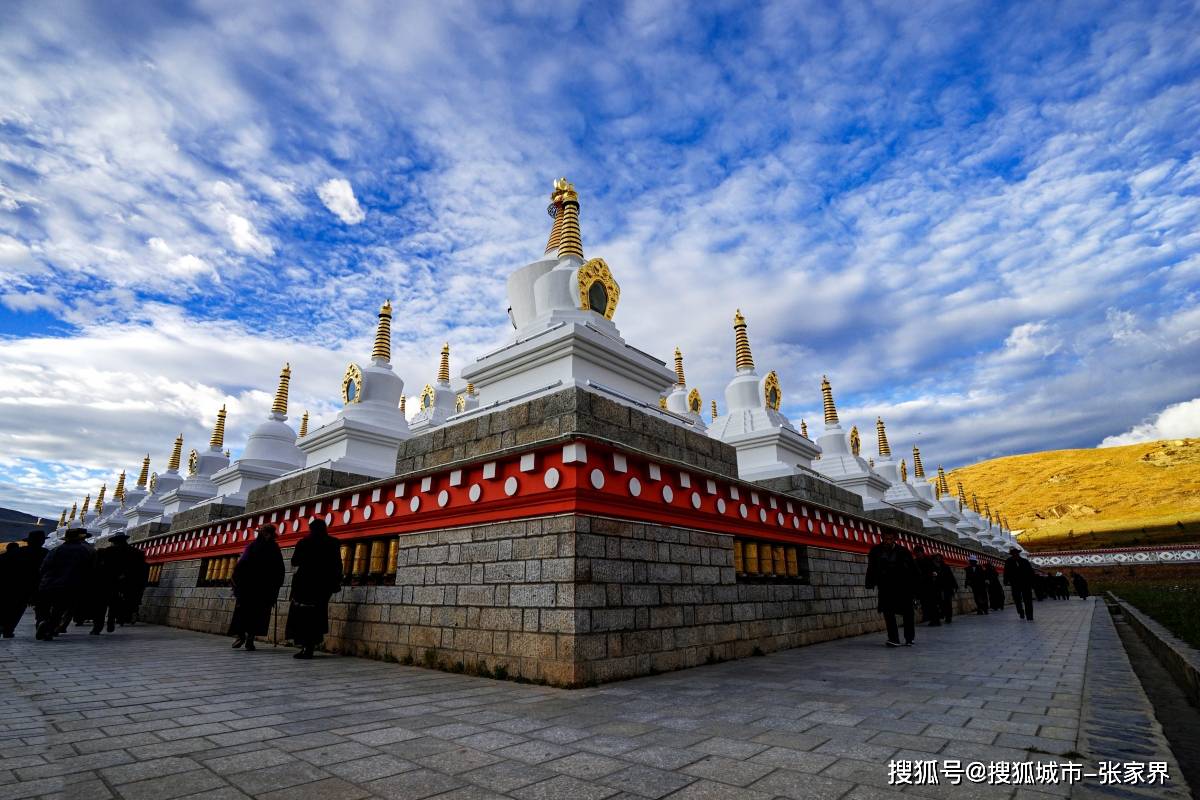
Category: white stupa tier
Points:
column 562, row 308
column 150, row 507
column 365, row 437
column 202, row 466
column 684, row 401
column 438, row 402
column 938, row 518
column 767, row 445
column 842, row 466
column 270, row 452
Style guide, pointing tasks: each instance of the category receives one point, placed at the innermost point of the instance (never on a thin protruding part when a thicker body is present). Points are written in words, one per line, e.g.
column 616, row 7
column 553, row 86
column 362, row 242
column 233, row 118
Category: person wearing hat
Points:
column 19, row 579
column 976, row 581
column 890, row 568
column 1018, row 574
column 120, row 576
column 257, row 577
column 63, row 582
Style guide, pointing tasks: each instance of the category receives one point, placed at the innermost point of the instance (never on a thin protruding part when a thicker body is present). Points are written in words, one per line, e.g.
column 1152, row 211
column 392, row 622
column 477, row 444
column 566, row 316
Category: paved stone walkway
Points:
column 155, row 713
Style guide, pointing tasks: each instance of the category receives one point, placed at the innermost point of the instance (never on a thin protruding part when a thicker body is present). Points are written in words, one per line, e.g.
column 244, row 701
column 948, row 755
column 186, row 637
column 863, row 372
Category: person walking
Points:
column 317, row 575
column 65, row 577
column 977, row 583
column 995, row 589
column 1019, row 575
column 947, row 587
column 11, row 589
column 890, row 568
column 119, row 575
column 257, row 577
column 927, row 586
column 1081, row 585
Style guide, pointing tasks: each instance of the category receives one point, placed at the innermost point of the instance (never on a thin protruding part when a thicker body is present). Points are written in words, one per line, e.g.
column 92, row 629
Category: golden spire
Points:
column 383, row 334
column 745, row 359
column 119, row 492
column 831, row 417
column 176, row 452
column 679, row 379
column 470, row 389
column 217, row 440
column 962, row 497
column 975, row 503
column 942, row 484
column 885, row 451
column 570, row 241
column 281, row 393
column 714, row 410
column 918, row 467
column 100, row 498
column 62, row 519
column 903, row 471
column 304, row 425
column 444, row 366
column 87, row 501
column 803, row 428
column 555, row 211
column 855, row 440
column 402, row 401
column 74, row 507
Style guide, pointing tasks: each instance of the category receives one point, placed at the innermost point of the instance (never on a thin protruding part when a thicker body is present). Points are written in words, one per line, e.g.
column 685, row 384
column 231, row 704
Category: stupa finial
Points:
column 403, row 400
column 885, row 450
column 304, row 425
column 144, row 475
column 444, row 365
column 745, row 359
column 74, row 509
column 962, row 496
column 217, row 440
column 566, row 222
column 714, row 410
column 119, row 492
column 62, row 519
column 831, row 415
column 383, row 334
column 679, row 379
column 803, row 428
column 87, row 501
column 100, row 498
column 176, row 454
column 943, row 485
column 918, row 467
column 280, row 405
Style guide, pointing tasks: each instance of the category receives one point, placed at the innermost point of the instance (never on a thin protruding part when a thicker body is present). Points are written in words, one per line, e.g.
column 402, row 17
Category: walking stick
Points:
column 275, row 633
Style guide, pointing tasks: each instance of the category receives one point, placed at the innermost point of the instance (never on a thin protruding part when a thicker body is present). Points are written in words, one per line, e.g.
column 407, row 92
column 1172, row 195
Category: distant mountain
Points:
column 1145, row 493
column 15, row 524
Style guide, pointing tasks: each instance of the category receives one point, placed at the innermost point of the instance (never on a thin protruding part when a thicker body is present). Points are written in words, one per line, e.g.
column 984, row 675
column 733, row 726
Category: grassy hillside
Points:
column 15, row 524
column 1103, row 497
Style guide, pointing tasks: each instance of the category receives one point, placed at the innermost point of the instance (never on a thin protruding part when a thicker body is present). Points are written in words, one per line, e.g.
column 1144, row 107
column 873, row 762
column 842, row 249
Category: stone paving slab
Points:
column 153, row 712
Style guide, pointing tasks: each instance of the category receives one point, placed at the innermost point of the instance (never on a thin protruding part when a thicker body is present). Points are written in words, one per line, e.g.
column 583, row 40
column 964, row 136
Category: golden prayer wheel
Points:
column 227, row 573
column 738, row 564
column 793, row 563
column 378, row 553
column 766, row 559
column 780, row 560
column 752, row 559
column 347, row 551
column 393, row 555
column 360, row 559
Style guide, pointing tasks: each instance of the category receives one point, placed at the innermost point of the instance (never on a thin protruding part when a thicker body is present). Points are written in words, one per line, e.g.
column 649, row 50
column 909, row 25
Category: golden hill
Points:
column 1103, row 497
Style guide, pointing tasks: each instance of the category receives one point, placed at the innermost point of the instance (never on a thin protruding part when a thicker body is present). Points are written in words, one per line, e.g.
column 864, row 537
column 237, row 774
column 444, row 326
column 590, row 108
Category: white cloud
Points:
column 246, row 238
column 1178, row 421
column 338, row 197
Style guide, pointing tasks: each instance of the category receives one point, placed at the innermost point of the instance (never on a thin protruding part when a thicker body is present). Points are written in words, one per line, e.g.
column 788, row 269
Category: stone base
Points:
column 203, row 514
column 146, row 530
column 301, row 486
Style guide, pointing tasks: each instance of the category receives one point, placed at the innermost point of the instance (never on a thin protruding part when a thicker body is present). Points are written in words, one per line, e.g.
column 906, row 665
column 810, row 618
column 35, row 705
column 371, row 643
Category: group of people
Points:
column 906, row 580
column 1058, row 587
column 74, row 581
column 258, row 576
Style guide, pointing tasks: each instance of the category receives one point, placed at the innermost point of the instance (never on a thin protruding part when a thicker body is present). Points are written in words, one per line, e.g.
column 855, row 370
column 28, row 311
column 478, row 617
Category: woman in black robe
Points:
column 257, row 577
column 317, row 574
column 995, row 589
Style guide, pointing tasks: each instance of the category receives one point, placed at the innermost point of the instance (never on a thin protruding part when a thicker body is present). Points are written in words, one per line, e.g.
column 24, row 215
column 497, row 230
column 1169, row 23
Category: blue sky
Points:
column 981, row 221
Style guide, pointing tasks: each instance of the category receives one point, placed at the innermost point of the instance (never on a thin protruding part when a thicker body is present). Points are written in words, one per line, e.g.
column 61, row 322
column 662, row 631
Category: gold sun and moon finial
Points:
column 304, row 425
column 119, row 492
column 855, row 441
column 741, row 342
column 772, row 391
column 176, row 454
column 443, row 375
column 885, row 450
column 918, row 467
column 903, row 471
column 831, row 415
column 217, row 440
column 382, row 351
column 280, row 405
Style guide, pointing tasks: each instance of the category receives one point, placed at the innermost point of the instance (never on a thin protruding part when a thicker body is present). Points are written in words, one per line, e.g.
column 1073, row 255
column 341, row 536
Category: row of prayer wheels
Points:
column 154, row 575
column 218, row 570
column 369, row 559
column 766, row 559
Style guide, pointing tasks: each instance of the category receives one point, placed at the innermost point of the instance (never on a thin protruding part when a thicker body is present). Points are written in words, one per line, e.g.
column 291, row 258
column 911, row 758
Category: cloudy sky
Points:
column 982, row 222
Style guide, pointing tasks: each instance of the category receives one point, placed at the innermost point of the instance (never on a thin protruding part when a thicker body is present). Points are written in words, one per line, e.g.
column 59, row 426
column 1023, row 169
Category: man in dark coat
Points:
column 65, row 576
column 947, row 587
column 927, row 591
column 317, row 574
column 1081, row 585
column 11, row 590
column 257, row 577
column 977, row 583
column 995, row 589
column 890, row 568
column 120, row 575
column 1019, row 574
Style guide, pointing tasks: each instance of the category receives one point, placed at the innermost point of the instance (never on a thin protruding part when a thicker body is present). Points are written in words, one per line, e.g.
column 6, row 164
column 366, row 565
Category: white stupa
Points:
column 199, row 485
column 438, row 401
column 901, row 494
column 126, row 499
column 767, row 444
column 562, row 308
column 940, row 522
column 685, row 401
column 840, row 461
column 150, row 508
column 270, row 452
column 365, row 438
